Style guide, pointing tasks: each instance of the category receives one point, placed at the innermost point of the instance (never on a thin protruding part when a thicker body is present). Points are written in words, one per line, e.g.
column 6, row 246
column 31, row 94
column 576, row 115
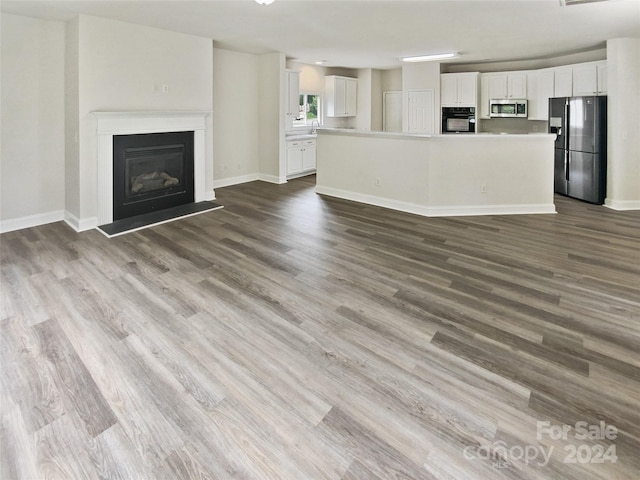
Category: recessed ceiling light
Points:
column 428, row 58
column 265, row 2
column 321, row 62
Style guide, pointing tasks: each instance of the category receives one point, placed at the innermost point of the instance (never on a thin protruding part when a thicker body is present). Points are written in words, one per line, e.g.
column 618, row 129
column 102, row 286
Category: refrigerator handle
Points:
column 566, row 125
column 567, row 163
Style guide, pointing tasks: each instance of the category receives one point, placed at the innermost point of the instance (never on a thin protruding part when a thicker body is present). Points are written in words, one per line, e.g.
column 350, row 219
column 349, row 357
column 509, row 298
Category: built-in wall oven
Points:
column 458, row 120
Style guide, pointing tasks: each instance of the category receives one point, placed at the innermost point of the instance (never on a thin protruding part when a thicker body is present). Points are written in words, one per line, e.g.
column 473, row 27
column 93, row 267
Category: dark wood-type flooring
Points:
column 294, row 336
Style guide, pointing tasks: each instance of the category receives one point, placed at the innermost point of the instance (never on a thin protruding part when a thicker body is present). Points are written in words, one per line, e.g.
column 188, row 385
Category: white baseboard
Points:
column 300, row 175
column 373, row 200
column 473, row 210
column 622, row 205
column 272, row 178
column 208, row 196
column 227, row 182
column 80, row 224
column 31, row 221
column 425, row 211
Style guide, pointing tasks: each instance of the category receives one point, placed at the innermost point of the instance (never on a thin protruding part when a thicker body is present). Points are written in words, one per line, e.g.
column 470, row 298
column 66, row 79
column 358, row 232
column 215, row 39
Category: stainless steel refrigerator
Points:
column 580, row 125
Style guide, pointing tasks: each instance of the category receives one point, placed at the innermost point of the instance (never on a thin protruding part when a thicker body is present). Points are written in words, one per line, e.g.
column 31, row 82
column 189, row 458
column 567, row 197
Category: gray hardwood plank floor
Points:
column 295, row 336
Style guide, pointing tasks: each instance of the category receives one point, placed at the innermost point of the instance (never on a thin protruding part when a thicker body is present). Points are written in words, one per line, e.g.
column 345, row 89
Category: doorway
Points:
column 420, row 111
column 392, row 111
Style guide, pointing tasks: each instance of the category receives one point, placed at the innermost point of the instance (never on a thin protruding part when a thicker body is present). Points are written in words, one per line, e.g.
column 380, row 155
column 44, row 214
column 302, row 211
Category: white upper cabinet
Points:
column 342, row 94
column 517, row 85
column 541, row 89
column 459, row 89
column 292, row 98
column 508, row 85
column 585, row 80
column 563, row 82
column 602, row 78
column 538, row 86
column 351, row 96
column 500, row 86
column 497, row 86
column 448, row 89
column 590, row 79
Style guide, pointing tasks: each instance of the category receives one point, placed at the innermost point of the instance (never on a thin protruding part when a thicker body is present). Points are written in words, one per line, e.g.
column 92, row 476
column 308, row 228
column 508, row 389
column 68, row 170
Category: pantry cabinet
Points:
column 459, row 89
column 341, row 96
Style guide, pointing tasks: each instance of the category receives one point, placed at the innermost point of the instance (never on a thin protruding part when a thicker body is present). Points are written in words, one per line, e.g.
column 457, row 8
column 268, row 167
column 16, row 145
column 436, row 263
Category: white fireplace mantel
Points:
column 131, row 123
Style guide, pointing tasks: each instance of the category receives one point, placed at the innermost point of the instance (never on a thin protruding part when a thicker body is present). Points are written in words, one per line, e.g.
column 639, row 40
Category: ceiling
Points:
column 372, row 33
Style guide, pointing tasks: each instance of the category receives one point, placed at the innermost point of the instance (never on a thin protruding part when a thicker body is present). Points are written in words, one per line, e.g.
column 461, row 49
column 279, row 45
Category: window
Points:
column 310, row 109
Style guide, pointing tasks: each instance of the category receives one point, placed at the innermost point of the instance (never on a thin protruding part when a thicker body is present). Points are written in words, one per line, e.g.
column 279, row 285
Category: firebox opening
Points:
column 151, row 172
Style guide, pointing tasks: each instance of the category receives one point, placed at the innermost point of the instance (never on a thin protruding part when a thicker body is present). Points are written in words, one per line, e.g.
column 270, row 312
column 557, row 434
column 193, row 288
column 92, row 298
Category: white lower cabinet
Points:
column 308, row 155
column 301, row 156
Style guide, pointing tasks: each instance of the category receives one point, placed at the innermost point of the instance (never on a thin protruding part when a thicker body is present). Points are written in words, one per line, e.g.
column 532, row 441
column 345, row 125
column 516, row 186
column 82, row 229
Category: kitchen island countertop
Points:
column 459, row 136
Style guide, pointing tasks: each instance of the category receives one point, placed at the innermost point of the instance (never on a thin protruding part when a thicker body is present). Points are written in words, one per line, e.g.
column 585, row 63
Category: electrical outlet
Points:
column 378, row 182
column 483, row 188
column 165, row 88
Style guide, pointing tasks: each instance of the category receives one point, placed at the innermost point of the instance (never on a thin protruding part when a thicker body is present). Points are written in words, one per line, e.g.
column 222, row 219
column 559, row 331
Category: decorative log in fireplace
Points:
column 151, row 172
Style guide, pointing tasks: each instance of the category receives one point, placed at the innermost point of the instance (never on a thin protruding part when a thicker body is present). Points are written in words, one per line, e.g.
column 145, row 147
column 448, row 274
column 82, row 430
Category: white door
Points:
column 392, row 111
column 421, row 111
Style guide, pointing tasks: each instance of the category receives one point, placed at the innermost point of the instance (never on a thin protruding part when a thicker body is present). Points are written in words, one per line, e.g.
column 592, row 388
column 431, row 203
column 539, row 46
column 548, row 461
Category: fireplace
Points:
column 151, row 172
column 110, row 125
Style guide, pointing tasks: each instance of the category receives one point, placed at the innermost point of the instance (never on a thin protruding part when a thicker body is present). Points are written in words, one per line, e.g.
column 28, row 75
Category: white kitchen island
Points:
column 438, row 175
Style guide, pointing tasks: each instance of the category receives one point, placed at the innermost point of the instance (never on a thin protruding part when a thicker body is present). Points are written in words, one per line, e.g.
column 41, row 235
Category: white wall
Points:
column 72, row 120
column 33, row 151
column 623, row 120
column 311, row 77
column 376, row 100
column 236, row 119
column 391, row 80
column 272, row 156
column 121, row 67
column 363, row 117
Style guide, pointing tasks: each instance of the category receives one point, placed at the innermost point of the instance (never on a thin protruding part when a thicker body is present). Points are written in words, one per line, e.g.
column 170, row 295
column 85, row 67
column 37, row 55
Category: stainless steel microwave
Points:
column 508, row 108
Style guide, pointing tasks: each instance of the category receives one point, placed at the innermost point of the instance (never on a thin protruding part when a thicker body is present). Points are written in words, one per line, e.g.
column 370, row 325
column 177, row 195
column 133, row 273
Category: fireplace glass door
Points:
column 152, row 172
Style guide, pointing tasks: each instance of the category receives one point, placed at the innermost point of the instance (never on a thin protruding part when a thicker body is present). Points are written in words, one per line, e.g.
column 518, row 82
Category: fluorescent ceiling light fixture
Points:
column 567, row 3
column 428, row 58
column 265, row 2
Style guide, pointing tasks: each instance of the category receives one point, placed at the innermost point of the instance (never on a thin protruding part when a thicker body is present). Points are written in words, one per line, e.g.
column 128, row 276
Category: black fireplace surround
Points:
column 151, row 172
